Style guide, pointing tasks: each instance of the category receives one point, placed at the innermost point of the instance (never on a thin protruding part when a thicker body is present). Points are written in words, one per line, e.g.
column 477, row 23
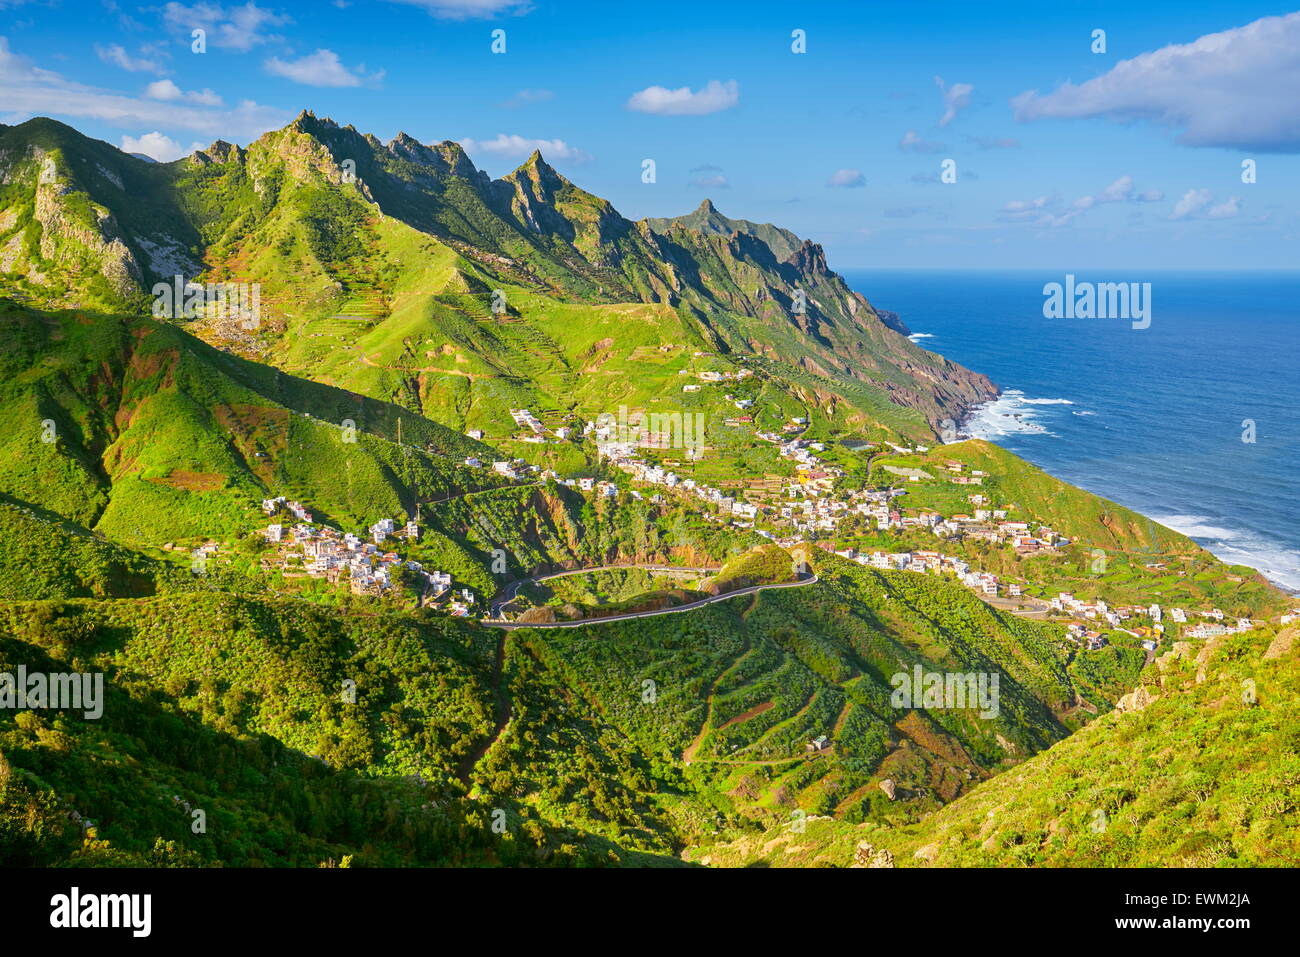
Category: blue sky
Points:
column 1130, row 158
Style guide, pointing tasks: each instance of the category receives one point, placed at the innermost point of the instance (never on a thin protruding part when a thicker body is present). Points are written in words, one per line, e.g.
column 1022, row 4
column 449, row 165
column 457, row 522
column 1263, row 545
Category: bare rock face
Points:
column 68, row 239
column 1135, row 700
column 1282, row 643
column 889, row 788
column 927, row 853
column 867, row 855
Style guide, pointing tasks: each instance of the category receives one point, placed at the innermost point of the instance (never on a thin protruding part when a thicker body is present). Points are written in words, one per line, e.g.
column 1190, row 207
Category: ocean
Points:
column 1154, row 418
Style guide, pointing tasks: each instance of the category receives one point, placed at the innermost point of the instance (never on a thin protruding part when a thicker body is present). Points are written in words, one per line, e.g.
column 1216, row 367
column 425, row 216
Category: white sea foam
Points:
column 1009, row 414
column 1238, row 547
column 921, row 335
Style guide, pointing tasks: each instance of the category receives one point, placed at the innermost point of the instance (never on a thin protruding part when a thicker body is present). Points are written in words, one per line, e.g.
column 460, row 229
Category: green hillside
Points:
column 819, row 706
column 138, row 430
column 237, row 705
column 378, row 265
column 1204, row 775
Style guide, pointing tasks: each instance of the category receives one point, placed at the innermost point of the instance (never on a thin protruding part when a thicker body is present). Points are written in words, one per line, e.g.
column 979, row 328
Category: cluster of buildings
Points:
column 1215, row 629
column 272, row 505
column 342, row 557
column 625, row 457
column 713, row 376
column 530, row 428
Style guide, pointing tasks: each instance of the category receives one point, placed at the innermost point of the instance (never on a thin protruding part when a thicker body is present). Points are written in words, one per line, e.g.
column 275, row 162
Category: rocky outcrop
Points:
column 868, row 855
column 1135, row 700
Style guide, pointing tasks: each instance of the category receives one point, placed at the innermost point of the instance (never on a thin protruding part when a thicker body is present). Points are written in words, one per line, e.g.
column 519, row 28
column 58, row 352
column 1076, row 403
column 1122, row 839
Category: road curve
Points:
column 512, row 589
column 752, row 589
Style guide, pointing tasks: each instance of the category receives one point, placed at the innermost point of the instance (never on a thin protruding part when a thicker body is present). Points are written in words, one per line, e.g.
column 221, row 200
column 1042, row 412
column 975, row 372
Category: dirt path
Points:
column 512, row 589
column 505, row 711
column 753, row 712
column 689, row 754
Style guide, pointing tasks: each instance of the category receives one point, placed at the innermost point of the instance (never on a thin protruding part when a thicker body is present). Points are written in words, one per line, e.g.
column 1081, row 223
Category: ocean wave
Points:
column 921, row 335
column 1047, row 401
column 1273, row 560
column 1008, row 414
column 1085, row 412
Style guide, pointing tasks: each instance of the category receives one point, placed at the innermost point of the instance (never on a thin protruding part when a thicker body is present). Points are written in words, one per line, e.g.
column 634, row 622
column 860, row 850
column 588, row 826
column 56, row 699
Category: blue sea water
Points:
column 1151, row 418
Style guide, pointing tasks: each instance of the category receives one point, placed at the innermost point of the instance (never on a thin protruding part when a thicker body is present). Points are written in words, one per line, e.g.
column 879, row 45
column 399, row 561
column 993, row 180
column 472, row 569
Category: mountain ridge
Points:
column 318, row 213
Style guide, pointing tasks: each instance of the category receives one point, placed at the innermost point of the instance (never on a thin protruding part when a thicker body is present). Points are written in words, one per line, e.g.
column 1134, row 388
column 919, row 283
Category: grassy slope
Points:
column 1116, row 551
column 236, row 706
column 1205, row 775
column 400, row 263
column 741, row 686
column 159, row 436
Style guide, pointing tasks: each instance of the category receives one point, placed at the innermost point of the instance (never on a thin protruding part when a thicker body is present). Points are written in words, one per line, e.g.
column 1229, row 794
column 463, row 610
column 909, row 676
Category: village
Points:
column 805, row 507
column 318, row 551
column 811, row 506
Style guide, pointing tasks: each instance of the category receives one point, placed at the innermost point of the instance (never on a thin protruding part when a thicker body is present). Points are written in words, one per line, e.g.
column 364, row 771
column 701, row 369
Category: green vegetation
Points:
column 418, row 300
column 1205, row 775
column 138, row 430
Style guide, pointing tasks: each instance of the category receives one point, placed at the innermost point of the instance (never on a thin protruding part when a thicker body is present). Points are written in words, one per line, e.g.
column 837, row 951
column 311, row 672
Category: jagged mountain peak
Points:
column 300, row 206
column 538, row 170
column 219, row 152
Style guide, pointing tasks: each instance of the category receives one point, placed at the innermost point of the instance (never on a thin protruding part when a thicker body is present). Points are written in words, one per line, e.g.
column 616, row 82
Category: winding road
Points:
column 512, row 590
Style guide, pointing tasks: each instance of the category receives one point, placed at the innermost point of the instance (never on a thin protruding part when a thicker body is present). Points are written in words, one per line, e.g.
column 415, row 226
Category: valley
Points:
column 504, row 507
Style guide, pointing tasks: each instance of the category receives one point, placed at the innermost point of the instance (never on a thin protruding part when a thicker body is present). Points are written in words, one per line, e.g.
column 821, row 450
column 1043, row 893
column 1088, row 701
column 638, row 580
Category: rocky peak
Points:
column 536, row 169
column 219, row 152
column 810, row 259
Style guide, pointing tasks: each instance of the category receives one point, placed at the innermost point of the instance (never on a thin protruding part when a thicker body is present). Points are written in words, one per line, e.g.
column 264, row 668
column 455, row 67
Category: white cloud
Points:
column 1234, row 89
column 169, row 91
column 162, row 148
column 1225, row 210
column 912, row 143
column 1024, row 208
column 847, row 179
column 118, row 56
column 32, row 91
column 469, row 9
column 955, row 99
column 228, row 28
column 1042, row 211
column 712, row 97
column 1196, row 204
column 1193, row 201
column 321, row 68
column 511, row 145
column 716, row 181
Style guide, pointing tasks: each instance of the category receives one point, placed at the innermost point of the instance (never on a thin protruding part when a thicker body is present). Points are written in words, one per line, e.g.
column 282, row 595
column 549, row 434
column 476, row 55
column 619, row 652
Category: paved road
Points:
column 513, row 588
column 1037, row 608
column 752, row 589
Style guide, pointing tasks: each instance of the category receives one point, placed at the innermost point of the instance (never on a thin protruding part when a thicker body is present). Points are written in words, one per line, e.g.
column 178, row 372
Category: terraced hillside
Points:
column 237, row 705
column 1199, row 769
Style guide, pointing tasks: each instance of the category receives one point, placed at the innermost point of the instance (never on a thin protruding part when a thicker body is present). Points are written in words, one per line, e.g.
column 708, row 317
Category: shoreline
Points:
column 974, row 412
